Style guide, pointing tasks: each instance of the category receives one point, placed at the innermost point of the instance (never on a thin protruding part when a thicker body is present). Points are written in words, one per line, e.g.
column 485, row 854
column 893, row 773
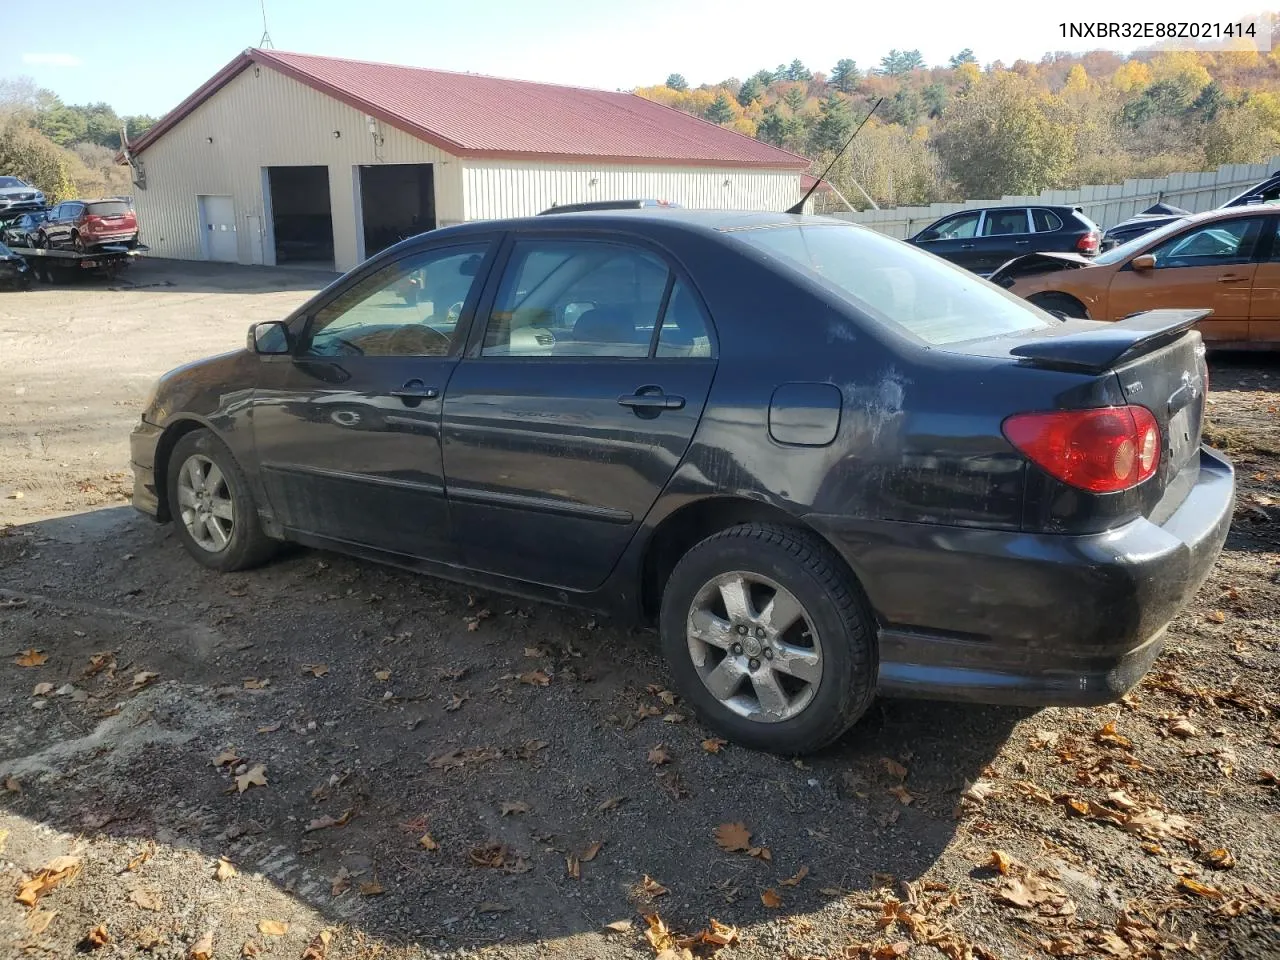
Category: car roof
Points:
column 699, row 221
column 1230, row 213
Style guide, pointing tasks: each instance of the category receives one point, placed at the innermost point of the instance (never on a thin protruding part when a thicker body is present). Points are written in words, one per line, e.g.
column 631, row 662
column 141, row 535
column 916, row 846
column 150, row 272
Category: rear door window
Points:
column 1045, row 221
column 1000, row 223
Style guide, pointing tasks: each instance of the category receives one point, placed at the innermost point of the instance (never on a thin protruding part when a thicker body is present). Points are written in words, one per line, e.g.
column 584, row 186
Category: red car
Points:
column 84, row 224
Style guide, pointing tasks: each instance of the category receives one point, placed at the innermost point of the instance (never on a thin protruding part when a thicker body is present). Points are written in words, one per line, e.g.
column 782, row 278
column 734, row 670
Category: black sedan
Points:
column 22, row 231
column 983, row 240
column 822, row 463
column 14, row 272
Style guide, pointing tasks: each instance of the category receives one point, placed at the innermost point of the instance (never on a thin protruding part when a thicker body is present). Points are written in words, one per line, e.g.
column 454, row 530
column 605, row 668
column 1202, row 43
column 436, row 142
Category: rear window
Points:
column 897, row 284
column 1046, row 221
column 108, row 208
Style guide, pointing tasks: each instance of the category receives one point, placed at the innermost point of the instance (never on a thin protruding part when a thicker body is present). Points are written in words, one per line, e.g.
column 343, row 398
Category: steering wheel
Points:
column 349, row 345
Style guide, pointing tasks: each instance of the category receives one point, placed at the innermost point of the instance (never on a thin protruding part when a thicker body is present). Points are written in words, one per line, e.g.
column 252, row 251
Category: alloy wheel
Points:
column 754, row 646
column 204, row 499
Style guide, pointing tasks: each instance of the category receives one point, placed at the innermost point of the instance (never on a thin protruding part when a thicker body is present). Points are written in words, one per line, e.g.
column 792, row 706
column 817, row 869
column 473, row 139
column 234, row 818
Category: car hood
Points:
column 23, row 192
column 1045, row 262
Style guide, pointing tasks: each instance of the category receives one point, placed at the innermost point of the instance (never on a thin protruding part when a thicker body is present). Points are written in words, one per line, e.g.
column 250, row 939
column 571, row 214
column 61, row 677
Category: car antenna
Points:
column 799, row 207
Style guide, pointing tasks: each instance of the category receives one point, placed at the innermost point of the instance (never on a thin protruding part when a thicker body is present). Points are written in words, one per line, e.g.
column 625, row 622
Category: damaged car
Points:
column 1224, row 261
column 820, row 462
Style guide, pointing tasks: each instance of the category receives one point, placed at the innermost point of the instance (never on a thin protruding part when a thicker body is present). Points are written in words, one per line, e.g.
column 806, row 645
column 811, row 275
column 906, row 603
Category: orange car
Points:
column 1224, row 260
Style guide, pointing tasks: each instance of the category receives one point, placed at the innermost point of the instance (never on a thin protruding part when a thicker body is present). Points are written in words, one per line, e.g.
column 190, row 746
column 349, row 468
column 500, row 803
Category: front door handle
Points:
column 1231, row 278
column 651, row 400
column 1021, row 243
column 966, row 246
column 416, row 390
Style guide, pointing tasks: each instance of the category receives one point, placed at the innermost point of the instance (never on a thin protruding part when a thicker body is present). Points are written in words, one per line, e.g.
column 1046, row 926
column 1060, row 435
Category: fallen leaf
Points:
column 733, row 837
column 249, row 949
column 318, row 948
column 383, row 675
column 1268, row 777
column 771, row 899
column 144, row 678
column 760, row 853
column 589, row 854
column 202, row 949
column 97, row 937
column 795, row 880
column 535, row 653
column 326, row 822
column 1183, row 728
column 893, row 768
column 253, row 683
column 428, row 842
column 658, row 755
column 226, row 758
column 1109, row 736
column 491, row 906
column 652, row 887
column 674, row 718
column 42, row 689
column 271, row 727
column 145, row 899
column 456, row 702
column 224, row 870
column 658, row 933
column 904, row 796
column 714, row 744
column 977, row 792
column 315, row 669
column 1122, row 800
column 56, row 871
column 537, row 678
column 609, row 804
column 619, row 926
column 273, row 928
column 1028, row 789
column 11, row 785
column 31, row 658
column 1198, row 888
column 372, row 888
column 38, row 921
column 1220, row 859
column 1041, row 739
column 136, row 863
column 1001, row 861
column 256, row 776
column 513, row 807
column 1217, row 616
column 99, row 662
column 891, row 951
column 573, row 866
column 340, row 883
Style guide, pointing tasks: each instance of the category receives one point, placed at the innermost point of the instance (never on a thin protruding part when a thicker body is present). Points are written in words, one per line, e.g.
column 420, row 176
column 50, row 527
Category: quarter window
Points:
column 1046, row 221
column 1214, row 244
column 684, row 330
column 409, row 308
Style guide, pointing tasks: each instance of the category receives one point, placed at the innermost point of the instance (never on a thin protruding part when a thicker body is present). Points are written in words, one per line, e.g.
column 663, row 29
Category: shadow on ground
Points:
column 402, row 707
column 187, row 276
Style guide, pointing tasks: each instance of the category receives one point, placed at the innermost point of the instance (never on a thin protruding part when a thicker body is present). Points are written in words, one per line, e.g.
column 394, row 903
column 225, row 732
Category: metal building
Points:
column 289, row 158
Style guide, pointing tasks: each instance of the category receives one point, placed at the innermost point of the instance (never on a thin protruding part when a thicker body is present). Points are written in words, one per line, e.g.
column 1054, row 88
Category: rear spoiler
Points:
column 1105, row 346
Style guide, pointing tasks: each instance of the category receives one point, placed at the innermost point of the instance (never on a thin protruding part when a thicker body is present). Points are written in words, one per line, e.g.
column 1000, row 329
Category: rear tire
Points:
column 1062, row 304
column 42, row 241
column 77, row 243
column 212, row 505
column 794, row 667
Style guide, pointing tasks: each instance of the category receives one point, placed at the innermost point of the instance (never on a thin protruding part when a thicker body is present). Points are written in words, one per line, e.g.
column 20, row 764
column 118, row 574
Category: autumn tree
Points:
column 998, row 139
column 844, row 77
column 676, row 81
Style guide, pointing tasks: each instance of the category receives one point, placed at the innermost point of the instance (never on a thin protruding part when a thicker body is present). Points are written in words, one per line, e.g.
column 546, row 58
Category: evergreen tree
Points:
column 906, row 106
column 935, row 99
column 845, row 76
column 677, row 82
column 1210, row 101
column 832, row 128
column 794, row 99
column 772, row 128
column 964, row 56
column 750, row 92
column 798, row 71
column 897, row 62
column 720, row 111
column 764, row 77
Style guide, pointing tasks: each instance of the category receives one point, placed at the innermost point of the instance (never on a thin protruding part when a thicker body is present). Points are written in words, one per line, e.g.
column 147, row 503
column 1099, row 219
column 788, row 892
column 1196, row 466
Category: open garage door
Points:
column 301, row 216
column 397, row 200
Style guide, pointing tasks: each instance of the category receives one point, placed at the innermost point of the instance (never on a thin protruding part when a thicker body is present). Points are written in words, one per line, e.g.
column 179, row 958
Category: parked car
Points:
column 982, row 240
column 14, row 272
column 821, row 462
column 17, row 194
column 22, row 231
column 1227, row 261
column 1266, row 192
column 589, row 205
column 84, row 224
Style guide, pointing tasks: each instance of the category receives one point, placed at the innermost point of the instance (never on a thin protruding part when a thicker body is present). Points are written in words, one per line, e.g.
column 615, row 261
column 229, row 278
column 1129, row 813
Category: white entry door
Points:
column 218, row 220
column 253, row 226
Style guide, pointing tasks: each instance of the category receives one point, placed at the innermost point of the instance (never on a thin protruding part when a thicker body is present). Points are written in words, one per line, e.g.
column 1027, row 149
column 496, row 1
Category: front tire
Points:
column 769, row 639
column 212, row 505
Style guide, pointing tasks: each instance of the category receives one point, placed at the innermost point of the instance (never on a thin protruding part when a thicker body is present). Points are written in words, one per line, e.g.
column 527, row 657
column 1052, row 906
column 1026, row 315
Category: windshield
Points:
column 11, row 182
column 1130, row 247
column 897, row 284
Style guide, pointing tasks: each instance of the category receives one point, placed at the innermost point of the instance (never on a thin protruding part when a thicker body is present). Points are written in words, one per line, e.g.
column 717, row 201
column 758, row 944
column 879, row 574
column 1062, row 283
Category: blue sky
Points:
column 144, row 56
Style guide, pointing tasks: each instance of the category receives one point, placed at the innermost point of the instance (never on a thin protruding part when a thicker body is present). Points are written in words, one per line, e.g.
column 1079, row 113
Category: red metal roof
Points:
column 468, row 115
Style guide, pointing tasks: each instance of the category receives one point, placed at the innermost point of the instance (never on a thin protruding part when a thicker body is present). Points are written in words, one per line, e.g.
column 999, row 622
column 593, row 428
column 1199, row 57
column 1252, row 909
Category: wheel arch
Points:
column 174, row 431
column 692, row 523
column 1040, row 296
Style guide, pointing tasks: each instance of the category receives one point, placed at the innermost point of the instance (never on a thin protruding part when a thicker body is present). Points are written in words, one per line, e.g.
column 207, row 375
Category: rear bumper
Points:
column 142, row 456
column 1005, row 617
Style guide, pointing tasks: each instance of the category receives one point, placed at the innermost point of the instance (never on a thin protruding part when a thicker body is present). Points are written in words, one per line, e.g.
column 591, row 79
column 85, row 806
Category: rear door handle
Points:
column 1231, row 278
column 966, row 246
column 651, row 399
column 416, row 390
column 1021, row 243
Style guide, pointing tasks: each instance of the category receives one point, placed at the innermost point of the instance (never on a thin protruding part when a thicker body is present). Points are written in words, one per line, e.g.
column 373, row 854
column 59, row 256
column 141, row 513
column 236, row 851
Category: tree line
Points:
column 66, row 150
column 967, row 131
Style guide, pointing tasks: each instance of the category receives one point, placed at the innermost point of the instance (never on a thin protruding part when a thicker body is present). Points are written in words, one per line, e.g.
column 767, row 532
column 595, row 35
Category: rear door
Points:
column 1264, row 302
column 579, row 394
column 1005, row 234
column 953, row 238
column 1207, row 265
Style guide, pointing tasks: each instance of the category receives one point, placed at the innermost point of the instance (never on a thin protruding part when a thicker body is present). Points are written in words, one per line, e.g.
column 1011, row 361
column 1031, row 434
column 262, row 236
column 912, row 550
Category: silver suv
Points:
column 18, row 195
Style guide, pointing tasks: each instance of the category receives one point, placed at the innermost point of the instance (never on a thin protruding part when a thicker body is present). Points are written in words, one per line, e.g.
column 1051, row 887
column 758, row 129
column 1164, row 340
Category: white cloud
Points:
column 51, row 59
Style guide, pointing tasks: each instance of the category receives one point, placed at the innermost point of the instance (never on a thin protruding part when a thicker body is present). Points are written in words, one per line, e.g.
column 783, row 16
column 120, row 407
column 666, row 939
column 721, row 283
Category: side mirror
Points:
column 1143, row 261
column 269, row 338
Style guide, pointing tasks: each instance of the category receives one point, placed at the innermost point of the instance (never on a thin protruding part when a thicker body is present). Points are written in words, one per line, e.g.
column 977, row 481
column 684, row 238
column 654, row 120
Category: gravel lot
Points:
column 325, row 758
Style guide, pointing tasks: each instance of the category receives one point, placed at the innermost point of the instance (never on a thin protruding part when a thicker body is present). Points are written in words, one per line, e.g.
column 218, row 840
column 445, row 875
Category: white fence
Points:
column 1106, row 205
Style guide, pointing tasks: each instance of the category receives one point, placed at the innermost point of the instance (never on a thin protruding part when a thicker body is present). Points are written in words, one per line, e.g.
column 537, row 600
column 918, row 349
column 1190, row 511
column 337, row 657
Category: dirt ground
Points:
column 326, row 758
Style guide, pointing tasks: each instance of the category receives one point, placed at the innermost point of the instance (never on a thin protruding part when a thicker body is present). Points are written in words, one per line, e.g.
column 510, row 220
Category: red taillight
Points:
column 1089, row 243
column 1103, row 450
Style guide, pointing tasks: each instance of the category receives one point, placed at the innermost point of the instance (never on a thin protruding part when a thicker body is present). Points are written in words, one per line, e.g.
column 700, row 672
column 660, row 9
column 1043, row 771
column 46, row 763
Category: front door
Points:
column 953, row 238
column 1209, row 265
column 573, row 407
column 218, row 221
column 348, row 430
column 1005, row 234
